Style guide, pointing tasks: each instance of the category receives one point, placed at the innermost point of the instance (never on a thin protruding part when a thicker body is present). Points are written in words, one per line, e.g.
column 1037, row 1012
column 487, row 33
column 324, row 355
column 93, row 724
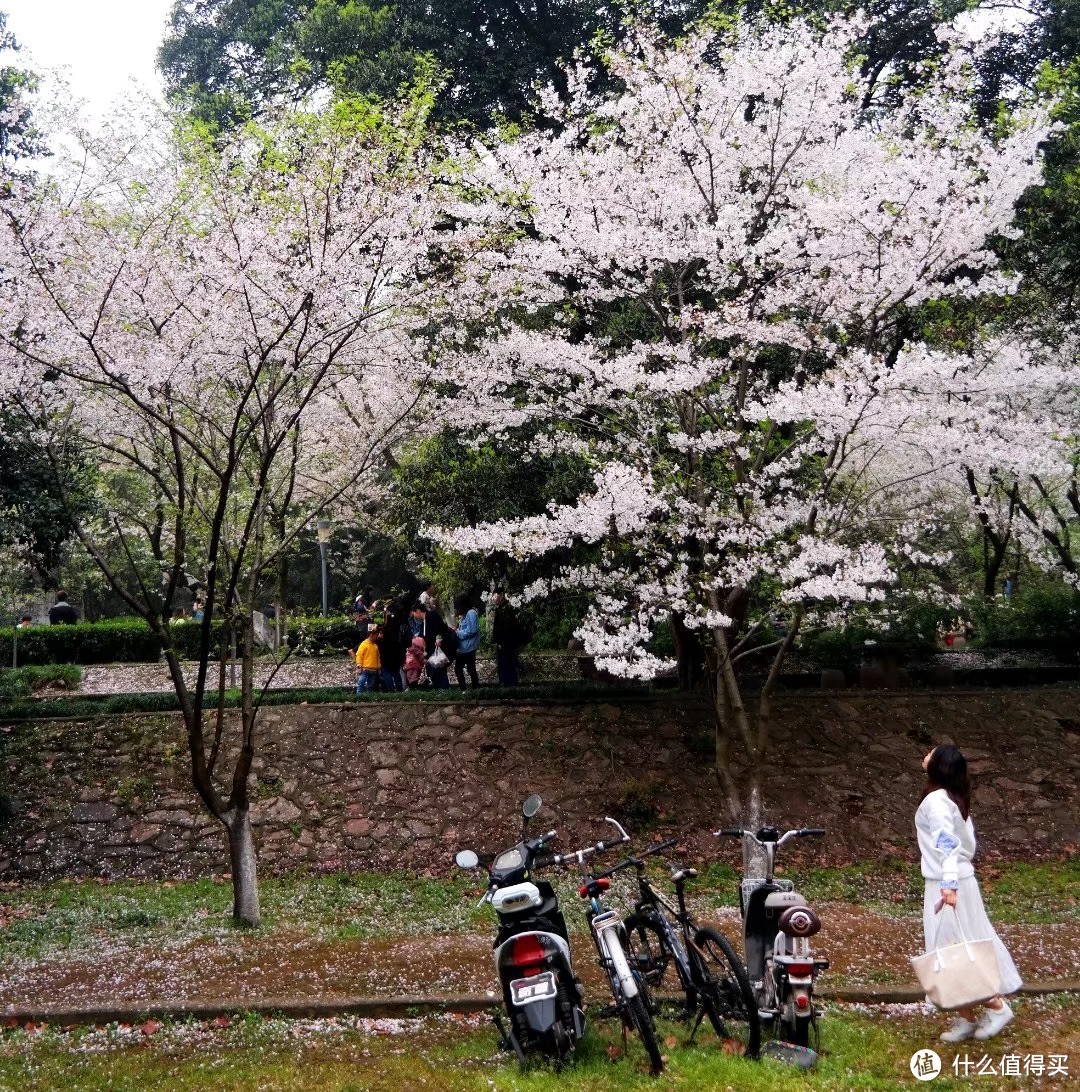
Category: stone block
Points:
column 279, row 811
column 387, row 777
column 97, row 812
column 144, row 832
column 171, row 818
column 170, row 842
column 356, row 827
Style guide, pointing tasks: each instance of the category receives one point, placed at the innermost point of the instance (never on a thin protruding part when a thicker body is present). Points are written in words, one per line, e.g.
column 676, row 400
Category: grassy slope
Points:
column 39, row 921
column 861, row 1051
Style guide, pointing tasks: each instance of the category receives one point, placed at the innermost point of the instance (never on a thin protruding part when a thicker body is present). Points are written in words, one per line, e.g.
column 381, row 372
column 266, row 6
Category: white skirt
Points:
column 940, row 932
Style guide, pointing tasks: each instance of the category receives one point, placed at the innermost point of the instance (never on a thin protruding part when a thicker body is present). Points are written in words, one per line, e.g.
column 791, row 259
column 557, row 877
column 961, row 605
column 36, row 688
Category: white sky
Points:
column 103, row 43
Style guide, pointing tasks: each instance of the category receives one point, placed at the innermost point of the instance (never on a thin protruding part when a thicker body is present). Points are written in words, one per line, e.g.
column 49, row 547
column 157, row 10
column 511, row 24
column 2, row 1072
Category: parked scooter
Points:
column 541, row 993
column 777, row 927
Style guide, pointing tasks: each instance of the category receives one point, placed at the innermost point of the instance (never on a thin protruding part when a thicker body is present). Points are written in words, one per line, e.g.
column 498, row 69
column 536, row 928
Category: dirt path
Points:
column 866, row 948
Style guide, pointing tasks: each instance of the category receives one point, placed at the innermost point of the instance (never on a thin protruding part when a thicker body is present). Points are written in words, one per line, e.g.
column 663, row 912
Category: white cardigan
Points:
column 946, row 839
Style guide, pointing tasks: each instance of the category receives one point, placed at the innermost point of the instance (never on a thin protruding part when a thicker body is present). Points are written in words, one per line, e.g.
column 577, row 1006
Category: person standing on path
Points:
column 436, row 634
column 62, row 613
column 947, row 842
column 368, row 662
column 468, row 634
column 506, row 634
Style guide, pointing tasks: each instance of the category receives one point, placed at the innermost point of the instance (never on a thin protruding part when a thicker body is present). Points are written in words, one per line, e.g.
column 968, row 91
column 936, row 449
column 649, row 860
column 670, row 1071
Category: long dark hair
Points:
column 948, row 770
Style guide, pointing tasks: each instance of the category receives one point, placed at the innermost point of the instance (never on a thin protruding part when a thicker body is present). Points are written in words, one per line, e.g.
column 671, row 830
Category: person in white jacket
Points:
column 947, row 843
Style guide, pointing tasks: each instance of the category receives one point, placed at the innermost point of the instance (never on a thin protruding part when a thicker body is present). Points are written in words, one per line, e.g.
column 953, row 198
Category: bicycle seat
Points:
column 799, row 921
column 680, row 874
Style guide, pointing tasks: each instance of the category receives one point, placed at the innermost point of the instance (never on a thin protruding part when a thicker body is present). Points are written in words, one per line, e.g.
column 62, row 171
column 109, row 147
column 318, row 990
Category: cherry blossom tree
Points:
column 230, row 331
column 710, row 300
column 1007, row 414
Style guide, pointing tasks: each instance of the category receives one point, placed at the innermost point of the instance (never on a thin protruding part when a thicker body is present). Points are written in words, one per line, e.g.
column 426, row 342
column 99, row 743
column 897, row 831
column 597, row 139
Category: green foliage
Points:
column 119, row 640
column 914, row 629
column 322, row 636
column 18, row 137
column 229, row 61
column 87, row 707
column 445, row 481
column 639, row 802
column 20, row 682
column 116, row 640
column 1038, row 616
column 42, row 510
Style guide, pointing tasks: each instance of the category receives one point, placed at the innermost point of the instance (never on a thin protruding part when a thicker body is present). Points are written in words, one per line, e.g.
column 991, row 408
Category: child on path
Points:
column 368, row 662
column 415, row 658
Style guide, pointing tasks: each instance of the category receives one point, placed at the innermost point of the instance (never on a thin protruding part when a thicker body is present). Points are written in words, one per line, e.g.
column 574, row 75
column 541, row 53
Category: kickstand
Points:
column 697, row 1023
column 508, row 1041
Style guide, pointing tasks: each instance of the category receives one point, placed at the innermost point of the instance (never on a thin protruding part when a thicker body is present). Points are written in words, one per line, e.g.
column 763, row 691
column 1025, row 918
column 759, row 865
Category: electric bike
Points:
column 541, row 994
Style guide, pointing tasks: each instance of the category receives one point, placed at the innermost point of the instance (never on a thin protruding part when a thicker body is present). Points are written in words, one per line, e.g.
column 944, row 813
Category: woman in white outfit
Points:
column 947, row 842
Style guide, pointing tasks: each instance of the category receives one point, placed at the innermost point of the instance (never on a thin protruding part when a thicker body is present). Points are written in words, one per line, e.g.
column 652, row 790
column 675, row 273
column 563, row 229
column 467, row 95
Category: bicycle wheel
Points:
column 726, row 992
column 647, row 950
column 642, row 1020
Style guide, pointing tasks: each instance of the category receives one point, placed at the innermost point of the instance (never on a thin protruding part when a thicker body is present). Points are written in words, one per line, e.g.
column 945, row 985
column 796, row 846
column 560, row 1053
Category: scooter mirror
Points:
column 531, row 806
column 466, row 859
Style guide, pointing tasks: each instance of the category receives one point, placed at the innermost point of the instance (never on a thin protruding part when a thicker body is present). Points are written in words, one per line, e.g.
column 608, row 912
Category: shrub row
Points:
column 164, row 701
column 114, row 641
column 21, row 682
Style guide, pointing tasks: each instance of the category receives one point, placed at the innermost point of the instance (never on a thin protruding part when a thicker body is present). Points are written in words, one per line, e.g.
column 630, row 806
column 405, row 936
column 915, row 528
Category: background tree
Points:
column 228, row 330
column 750, row 447
column 231, row 59
column 18, row 137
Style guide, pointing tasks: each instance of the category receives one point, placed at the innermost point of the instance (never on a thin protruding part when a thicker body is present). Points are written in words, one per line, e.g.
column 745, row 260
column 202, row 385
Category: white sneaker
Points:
column 993, row 1021
column 959, row 1030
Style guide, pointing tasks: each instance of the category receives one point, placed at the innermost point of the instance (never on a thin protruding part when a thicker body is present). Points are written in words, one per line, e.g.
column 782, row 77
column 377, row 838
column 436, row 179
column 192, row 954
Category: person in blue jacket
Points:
column 468, row 634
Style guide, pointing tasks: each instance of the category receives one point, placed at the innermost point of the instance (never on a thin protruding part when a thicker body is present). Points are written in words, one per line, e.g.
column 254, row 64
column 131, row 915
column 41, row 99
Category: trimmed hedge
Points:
column 319, row 636
column 164, row 701
column 21, row 682
column 114, row 641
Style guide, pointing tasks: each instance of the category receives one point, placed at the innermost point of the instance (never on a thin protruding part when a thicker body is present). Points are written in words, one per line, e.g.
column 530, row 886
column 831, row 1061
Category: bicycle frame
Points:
column 651, row 897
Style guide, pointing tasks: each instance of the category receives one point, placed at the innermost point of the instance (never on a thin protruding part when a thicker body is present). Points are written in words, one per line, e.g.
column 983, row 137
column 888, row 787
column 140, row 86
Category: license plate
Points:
column 537, row 987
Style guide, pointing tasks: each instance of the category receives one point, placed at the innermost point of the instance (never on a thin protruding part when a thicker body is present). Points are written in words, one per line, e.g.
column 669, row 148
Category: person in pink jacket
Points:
column 415, row 658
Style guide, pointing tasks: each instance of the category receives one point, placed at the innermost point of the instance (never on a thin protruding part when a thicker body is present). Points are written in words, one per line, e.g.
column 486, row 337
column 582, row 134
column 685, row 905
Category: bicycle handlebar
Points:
column 801, row 832
column 636, row 861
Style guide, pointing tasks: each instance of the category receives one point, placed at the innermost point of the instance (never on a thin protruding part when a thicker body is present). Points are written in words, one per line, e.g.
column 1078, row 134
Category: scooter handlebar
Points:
column 732, row 832
column 579, row 855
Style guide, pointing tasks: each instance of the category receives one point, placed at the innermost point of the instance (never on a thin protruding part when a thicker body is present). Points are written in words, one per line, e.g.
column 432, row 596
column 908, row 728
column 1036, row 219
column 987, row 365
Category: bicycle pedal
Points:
column 607, row 1012
column 766, row 1014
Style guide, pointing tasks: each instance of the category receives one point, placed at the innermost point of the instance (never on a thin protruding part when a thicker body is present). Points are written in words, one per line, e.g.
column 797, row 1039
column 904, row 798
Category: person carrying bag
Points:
column 978, row 968
column 958, row 975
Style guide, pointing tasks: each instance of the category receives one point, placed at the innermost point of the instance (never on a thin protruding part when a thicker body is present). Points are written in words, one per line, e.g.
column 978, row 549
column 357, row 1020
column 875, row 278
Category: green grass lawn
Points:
column 861, row 1049
column 43, row 920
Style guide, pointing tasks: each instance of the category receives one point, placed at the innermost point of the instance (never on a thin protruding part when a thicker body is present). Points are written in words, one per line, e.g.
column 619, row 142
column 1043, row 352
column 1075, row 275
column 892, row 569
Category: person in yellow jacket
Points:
column 368, row 662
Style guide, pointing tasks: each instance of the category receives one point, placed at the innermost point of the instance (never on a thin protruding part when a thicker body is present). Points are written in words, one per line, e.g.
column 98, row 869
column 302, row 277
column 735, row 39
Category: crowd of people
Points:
column 408, row 643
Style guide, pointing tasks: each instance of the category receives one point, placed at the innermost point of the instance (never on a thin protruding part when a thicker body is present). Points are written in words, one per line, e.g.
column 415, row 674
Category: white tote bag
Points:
column 961, row 974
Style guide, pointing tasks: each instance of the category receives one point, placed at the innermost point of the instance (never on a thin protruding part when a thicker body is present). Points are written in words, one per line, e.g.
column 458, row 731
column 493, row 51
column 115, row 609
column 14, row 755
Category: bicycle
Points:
column 628, row 988
column 710, row 973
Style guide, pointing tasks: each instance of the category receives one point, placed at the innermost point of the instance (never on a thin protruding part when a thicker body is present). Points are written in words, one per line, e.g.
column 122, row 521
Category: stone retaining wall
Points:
column 388, row 786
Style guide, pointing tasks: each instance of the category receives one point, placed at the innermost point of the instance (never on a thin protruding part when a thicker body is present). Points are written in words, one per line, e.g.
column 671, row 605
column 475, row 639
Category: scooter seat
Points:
column 799, row 921
column 783, row 900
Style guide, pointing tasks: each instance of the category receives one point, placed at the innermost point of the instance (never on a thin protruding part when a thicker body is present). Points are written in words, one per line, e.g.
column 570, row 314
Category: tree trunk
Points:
column 244, row 874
